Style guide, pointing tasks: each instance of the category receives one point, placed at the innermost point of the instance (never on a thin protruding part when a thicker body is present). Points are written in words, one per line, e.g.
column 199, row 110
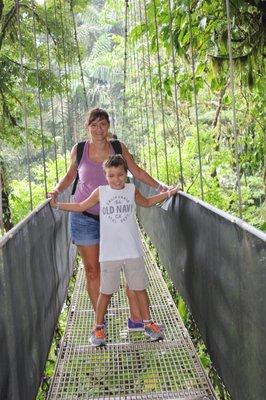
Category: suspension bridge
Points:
column 215, row 260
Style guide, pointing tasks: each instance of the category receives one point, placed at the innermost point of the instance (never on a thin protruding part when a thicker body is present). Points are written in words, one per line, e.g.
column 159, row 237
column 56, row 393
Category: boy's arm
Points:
column 82, row 206
column 158, row 198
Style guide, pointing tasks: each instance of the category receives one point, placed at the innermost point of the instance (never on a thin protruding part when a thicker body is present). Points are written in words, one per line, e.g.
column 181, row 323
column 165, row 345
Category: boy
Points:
column 120, row 244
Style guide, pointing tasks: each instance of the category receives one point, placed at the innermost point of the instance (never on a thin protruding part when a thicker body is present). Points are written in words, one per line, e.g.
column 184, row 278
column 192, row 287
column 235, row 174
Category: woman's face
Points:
column 99, row 129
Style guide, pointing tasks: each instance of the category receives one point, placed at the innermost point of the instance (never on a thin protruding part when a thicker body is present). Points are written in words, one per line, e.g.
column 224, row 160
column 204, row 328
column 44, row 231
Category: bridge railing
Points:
column 36, row 261
column 218, row 264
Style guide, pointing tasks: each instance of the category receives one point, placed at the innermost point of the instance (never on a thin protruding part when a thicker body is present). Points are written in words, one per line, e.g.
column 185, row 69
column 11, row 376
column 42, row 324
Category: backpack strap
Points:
column 80, row 149
column 116, row 146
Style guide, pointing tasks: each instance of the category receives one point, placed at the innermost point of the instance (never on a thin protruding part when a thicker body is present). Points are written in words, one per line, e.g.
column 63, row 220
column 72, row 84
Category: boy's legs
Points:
column 137, row 281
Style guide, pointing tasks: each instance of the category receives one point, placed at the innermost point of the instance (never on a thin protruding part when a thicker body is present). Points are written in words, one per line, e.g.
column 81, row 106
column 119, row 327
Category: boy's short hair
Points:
column 116, row 160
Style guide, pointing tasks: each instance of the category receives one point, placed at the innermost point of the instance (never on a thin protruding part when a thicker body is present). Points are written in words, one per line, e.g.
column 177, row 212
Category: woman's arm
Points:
column 69, row 176
column 79, row 207
column 139, row 173
column 158, row 198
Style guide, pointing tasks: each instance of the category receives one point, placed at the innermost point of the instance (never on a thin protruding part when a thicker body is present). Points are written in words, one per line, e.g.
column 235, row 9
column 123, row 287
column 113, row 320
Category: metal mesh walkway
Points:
column 130, row 367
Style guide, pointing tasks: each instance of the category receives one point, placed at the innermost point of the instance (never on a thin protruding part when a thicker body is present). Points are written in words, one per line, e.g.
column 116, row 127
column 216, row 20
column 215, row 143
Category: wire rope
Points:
column 25, row 111
column 125, row 69
column 151, row 91
column 78, row 54
column 161, row 88
column 33, row 5
column 231, row 68
column 60, row 94
column 139, row 95
column 195, row 101
column 145, row 91
column 65, row 65
column 52, row 94
column 173, row 53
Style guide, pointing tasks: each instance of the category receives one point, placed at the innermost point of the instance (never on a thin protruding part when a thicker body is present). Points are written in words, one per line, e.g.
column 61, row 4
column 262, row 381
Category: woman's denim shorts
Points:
column 85, row 231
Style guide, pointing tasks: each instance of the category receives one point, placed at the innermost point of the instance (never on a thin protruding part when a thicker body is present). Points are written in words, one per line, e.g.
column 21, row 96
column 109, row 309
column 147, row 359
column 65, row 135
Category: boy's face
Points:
column 116, row 177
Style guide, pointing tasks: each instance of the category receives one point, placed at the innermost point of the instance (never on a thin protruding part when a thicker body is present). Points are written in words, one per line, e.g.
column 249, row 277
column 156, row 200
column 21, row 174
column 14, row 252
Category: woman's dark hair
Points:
column 115, row 161
column 96, row 113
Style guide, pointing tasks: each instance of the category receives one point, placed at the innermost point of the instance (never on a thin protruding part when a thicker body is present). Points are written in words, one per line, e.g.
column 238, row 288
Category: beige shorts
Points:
column 134, row 270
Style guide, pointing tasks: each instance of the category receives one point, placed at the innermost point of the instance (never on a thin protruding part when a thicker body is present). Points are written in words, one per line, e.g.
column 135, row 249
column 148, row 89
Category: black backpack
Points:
column 80, row 148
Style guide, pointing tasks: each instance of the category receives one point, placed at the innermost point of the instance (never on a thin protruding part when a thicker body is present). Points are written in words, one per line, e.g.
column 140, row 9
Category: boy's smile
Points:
column 116, row 177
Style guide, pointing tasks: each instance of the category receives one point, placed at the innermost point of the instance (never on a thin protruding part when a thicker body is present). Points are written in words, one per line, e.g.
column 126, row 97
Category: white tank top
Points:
column 119, row 236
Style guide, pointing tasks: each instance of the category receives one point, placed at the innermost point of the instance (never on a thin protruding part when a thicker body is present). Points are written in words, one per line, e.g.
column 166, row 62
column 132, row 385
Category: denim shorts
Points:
column 85, row 231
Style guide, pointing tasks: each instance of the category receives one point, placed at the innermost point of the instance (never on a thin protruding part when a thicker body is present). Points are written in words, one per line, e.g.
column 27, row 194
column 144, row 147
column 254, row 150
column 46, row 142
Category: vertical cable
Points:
column 151, row 92
column 25, row 111
column 52, row 94
column 231, row 67
column 78, row 54
column 175, row 92
column 139, row 97
column 195, row 101
column 145, row 93
column 125, row 69
column 60, row 95
column 161, row 88
column 39, row 94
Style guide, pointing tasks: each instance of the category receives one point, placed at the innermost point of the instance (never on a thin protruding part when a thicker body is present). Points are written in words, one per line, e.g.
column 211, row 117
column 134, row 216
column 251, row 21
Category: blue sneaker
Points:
column 135, row 326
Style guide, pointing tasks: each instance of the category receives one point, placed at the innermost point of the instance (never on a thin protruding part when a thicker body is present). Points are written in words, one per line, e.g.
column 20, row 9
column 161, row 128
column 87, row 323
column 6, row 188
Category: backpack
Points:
column 80, row 148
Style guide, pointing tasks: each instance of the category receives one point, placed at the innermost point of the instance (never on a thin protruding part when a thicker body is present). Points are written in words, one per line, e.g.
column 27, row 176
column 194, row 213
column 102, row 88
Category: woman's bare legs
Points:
column 102, row 304
column 90, row 259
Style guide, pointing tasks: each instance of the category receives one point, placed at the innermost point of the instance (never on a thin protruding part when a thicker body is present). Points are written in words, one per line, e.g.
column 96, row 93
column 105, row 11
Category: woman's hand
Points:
column 53, row 194
column 53, row 202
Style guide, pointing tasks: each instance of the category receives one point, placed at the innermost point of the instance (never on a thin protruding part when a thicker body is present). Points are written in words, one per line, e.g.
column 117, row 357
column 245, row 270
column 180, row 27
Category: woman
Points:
column 85, row 228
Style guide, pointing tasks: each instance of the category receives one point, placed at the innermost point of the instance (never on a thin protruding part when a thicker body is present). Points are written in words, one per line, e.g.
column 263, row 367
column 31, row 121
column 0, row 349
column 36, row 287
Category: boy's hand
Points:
column 173, row 190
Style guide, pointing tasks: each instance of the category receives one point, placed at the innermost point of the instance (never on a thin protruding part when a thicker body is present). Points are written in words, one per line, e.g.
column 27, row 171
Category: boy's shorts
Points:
column 134, row 270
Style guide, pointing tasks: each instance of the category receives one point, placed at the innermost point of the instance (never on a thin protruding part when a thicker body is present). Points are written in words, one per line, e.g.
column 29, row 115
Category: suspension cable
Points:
column 39, row 95
column 78, row 54
column 65, row 65
column 195, row 101
column 161, row 88
column 132, row 95
column 151, row 92
column 51, row 94
column 231, row 67
column 25, row 111
column 125, row 69
column 140, row 115
column 145, row 91
column 175, row 92
column 60, row 94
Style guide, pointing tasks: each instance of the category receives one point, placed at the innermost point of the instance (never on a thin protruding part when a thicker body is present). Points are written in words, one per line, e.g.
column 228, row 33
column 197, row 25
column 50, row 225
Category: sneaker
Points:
column 98, row 336
column 135, row 326
column 153, row 331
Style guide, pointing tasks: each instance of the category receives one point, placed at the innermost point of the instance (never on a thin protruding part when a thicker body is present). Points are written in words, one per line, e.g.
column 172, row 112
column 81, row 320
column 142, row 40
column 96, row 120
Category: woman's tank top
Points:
column 91, row 176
